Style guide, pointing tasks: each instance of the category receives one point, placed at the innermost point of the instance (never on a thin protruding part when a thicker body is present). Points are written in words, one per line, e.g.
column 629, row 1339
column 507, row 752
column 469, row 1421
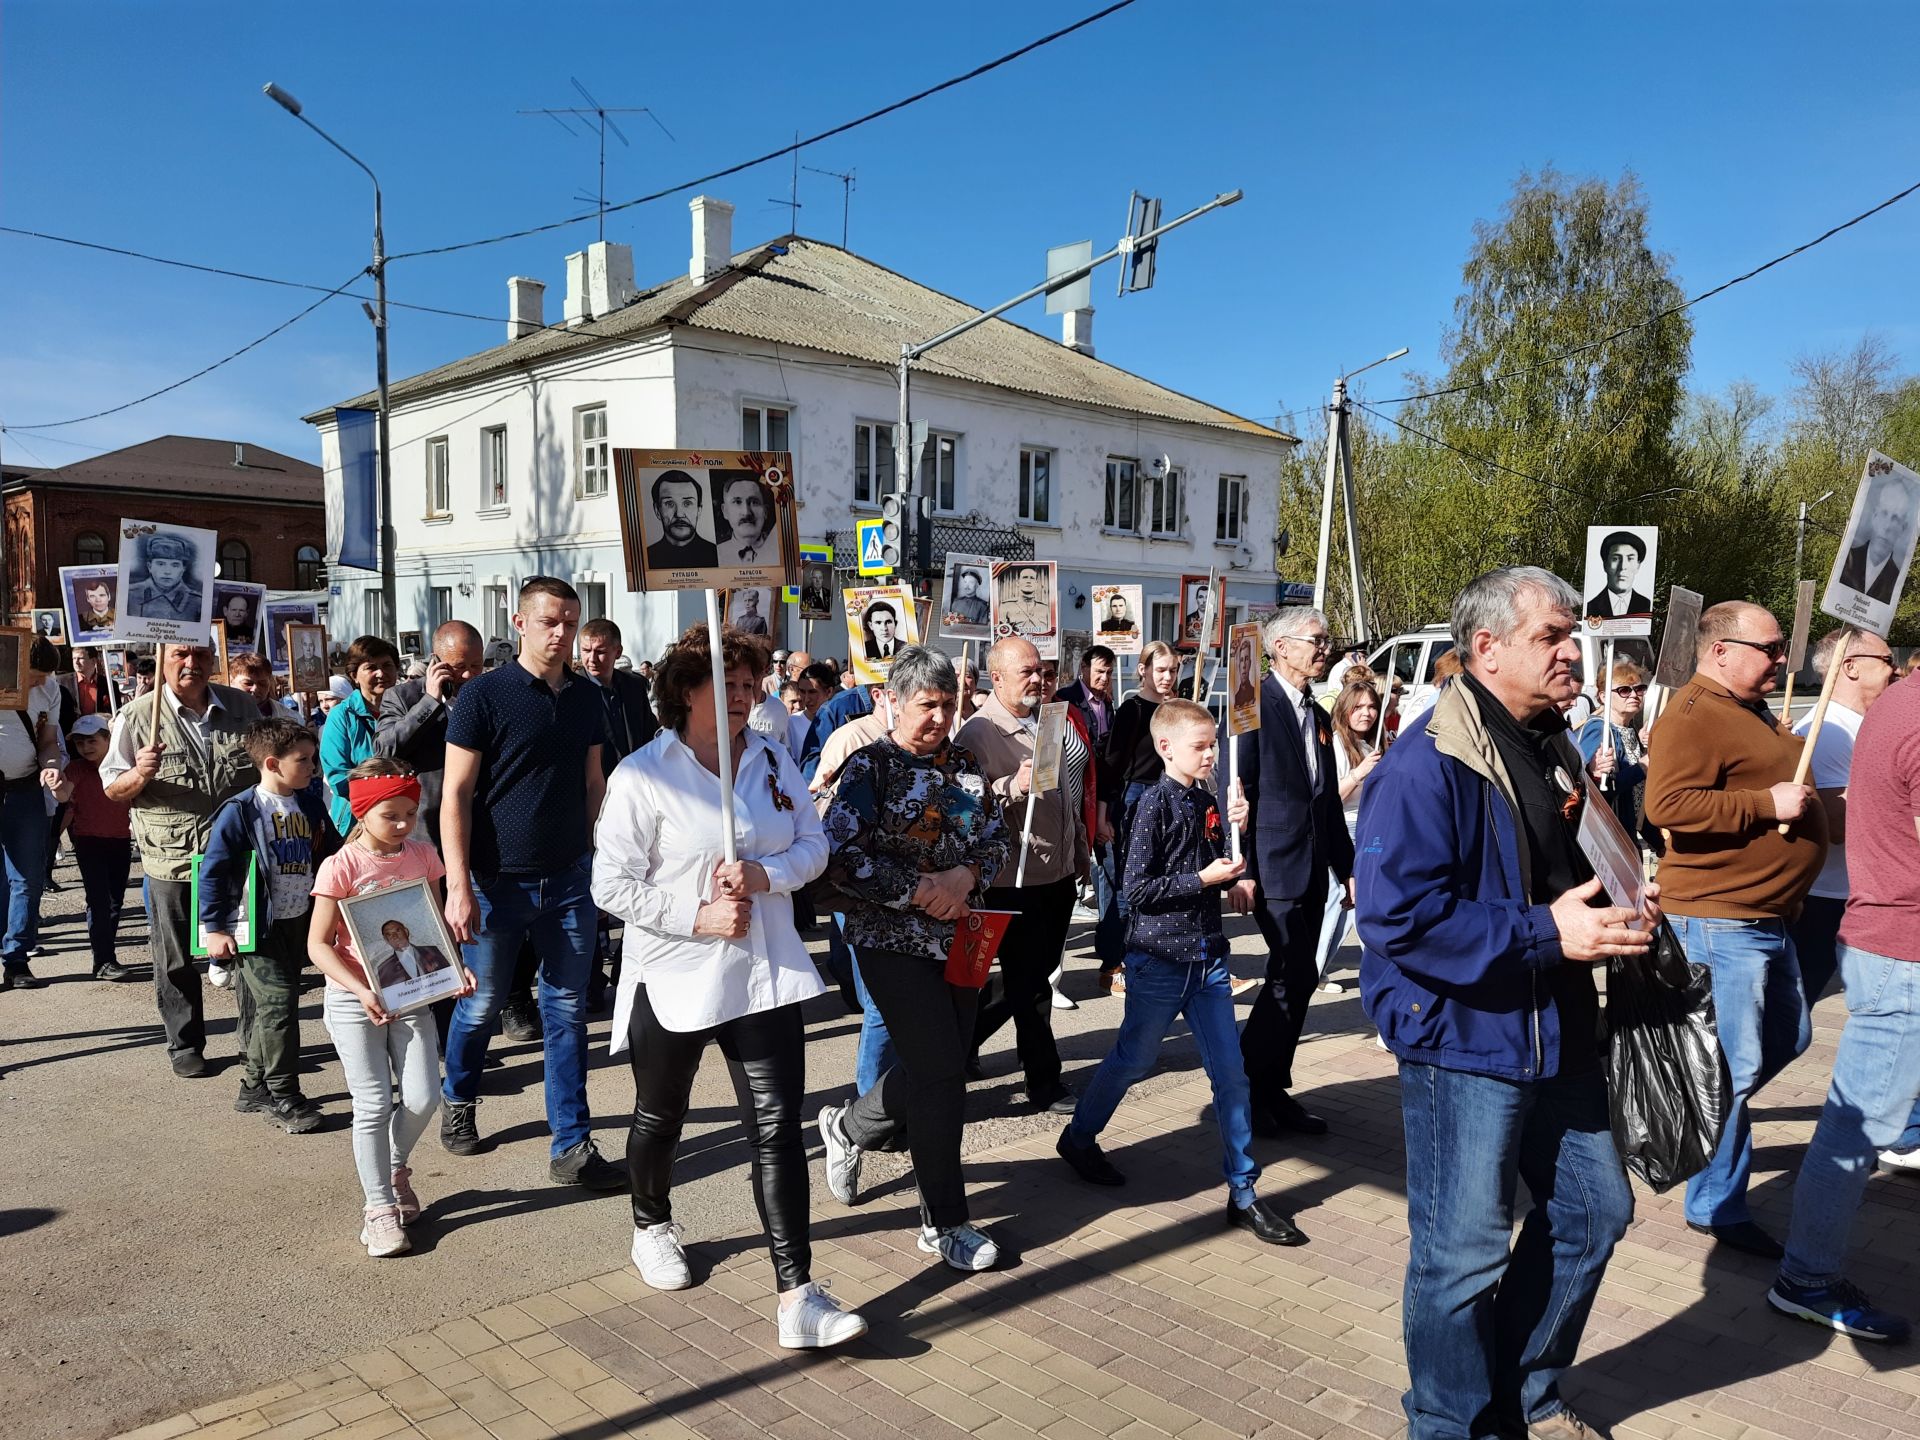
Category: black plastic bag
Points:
column 1668, row 1088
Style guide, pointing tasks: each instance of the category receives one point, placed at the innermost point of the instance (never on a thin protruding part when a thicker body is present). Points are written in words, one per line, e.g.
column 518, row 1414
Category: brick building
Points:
column 267, row 509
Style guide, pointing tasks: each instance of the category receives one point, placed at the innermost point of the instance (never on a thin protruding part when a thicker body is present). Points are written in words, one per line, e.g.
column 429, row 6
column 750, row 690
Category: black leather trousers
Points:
column 766, row 1058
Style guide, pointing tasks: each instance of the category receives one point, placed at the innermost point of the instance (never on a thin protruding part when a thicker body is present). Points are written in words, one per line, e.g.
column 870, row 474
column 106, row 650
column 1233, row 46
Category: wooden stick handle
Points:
column 1801, row 771
column 159, row 699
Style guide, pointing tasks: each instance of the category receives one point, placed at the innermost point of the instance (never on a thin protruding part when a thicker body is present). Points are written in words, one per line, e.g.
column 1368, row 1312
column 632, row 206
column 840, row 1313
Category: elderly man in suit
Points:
column 1299, row 833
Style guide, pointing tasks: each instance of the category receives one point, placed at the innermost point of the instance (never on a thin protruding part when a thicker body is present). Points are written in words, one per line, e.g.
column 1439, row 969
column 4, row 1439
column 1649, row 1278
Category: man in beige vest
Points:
column 173, row 788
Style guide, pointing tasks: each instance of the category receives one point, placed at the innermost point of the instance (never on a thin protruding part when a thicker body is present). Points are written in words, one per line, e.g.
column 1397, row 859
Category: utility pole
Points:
column 1800, row 534
column 1340, row 470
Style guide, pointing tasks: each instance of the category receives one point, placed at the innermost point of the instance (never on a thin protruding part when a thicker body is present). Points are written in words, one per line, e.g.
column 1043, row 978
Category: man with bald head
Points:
column 1720, row 784
column 1002, row 735
column 413, row 714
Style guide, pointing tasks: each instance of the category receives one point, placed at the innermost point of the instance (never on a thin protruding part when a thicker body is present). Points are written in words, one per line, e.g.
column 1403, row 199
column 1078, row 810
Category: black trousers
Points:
column 924, row 1094
column 176, row 980
column 105, row 864
column 1017, row 989
column 766, row 1058
column 1272, row 1032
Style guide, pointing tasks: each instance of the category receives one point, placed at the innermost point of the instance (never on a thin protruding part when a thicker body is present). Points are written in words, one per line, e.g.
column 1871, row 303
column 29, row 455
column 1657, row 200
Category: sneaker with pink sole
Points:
column 408, row 1202
column 382, row 1233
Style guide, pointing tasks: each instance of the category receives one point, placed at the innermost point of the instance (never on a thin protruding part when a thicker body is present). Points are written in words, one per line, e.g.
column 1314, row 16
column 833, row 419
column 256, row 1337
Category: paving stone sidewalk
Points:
column 1133, row 1313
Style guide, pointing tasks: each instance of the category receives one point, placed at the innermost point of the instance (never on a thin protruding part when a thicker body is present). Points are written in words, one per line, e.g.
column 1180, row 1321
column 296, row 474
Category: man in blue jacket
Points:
column 1480, row 920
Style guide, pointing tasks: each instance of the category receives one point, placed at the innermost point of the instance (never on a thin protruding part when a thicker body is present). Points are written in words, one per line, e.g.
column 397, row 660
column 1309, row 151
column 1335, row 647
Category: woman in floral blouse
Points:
column 916, row 838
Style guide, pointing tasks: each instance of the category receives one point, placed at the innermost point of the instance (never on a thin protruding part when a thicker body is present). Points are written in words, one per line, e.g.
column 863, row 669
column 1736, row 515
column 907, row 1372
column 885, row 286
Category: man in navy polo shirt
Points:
column 522, row 791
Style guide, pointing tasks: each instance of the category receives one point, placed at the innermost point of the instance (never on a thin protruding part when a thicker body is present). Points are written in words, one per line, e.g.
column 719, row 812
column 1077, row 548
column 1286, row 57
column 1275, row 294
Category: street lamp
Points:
column 1339, row 463
column 378, row 269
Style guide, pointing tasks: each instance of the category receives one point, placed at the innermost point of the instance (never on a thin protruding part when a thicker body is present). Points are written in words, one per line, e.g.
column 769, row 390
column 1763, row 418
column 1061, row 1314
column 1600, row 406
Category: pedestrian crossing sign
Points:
column 871, row 535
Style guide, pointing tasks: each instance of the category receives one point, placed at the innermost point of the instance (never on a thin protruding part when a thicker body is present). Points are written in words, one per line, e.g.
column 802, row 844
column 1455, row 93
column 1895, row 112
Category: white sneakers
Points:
column 383, row 1234
column 1060, row 1002
column 964, row 1247
column 219, row 976
column 408, row 1202
column 815, row 1320
column 843, row 1156
column 1907, row 1160
column 658, row 1257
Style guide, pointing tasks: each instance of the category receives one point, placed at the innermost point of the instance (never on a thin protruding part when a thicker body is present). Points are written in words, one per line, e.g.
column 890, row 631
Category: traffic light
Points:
column 893, row 529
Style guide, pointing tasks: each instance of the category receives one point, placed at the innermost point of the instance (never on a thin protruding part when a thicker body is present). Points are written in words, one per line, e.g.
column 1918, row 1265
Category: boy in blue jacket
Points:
column 281, row 825
column 1173, row 876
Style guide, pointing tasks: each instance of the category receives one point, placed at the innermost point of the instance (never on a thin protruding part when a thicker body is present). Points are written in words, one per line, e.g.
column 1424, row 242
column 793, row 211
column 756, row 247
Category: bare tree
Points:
column 1843, row 397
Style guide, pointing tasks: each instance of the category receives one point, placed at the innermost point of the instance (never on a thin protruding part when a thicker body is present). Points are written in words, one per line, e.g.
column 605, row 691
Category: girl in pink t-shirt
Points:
column 392, row 1062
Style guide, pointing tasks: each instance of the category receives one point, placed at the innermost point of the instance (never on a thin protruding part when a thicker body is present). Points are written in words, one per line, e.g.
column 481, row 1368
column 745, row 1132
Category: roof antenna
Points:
column 846, row 196
column 600, row 122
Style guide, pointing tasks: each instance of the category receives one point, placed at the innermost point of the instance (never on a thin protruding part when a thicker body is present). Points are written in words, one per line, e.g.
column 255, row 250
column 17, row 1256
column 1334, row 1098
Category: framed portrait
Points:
column 89, row 594
column 16, row 648
column 1116, row 611
column 166, row 583
column 276, row 615
column 51, row 624
column 410, row 644
column 1870, row 567
column 880, row 624
column 751, row 610
column 1243, row 678
column 307, row 649
column 242, row 921
column 718, row 520
column 966, row 598
column 815, row 591
column 404, row 946
column 236, row 614
column 1049, row 741
column 1619, row 579
column 1194, row 613
column 1614, row 855
column 1026, row 602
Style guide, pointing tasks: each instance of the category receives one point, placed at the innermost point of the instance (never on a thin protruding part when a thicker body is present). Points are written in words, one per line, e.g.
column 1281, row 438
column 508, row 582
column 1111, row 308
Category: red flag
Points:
column 976, row 940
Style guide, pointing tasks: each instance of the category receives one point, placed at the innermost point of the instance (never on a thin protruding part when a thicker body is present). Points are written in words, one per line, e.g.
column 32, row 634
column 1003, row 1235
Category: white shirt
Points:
column 123, row 746
column 409, row 959
column 1343, row 768
column 654, row 852
column 19, row 750
column 769, row 717
column 1832, row 763
column 1306, row 724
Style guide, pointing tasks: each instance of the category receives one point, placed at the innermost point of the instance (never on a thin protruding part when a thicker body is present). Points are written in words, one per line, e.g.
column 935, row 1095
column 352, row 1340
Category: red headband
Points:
column 363, row 795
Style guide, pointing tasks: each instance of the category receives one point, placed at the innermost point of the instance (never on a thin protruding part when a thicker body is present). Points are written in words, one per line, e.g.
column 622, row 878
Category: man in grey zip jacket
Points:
column 413, row 714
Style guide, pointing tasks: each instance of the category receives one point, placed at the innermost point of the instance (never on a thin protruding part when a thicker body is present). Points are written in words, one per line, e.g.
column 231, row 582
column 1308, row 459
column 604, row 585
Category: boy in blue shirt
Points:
column 1173, row 875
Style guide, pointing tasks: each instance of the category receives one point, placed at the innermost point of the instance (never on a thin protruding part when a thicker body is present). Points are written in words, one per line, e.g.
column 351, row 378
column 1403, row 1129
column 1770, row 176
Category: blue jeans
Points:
column 23, row 841
column 558, row 912
column 1110, row 931
column 1157, row 992
column 1876, row 1079
column 874, row 1055
column 1490, row 1321
column 1761, row 1015
column 1816, row 944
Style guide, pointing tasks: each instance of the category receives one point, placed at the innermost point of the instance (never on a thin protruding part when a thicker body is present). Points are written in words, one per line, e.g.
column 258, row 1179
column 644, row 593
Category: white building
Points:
column 501, row 465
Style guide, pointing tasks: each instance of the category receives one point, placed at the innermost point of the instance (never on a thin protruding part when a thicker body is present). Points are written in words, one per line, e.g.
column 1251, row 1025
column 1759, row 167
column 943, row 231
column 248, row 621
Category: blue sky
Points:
column 1368, row 137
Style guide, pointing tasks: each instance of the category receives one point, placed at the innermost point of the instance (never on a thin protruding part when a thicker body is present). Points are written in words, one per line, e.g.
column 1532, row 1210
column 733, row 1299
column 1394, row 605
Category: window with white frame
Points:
column 494, row 610
column 1036, row 487
column 592, row 458
column 373, row 612
column 766, row 427
column 441, row 609
column 593, row 600
column 1164, row 492
column 1228, row 508
column 939, row 471
column 493, row 467
column 873, row 477
column 1163, row 621
column 439, row 478
column 1123, row 492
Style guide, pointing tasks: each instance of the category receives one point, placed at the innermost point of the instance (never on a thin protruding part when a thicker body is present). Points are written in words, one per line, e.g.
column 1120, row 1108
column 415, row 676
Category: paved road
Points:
column 158, row 1251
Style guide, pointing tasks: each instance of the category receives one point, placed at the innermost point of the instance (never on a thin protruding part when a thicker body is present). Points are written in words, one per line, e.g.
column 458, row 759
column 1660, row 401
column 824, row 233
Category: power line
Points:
column 784, row 150
column 1658, row 315
column 1467, row 454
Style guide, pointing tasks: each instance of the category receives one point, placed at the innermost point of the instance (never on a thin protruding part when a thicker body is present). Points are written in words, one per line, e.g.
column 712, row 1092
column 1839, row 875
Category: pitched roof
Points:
column 808, row 293
column 231, row 469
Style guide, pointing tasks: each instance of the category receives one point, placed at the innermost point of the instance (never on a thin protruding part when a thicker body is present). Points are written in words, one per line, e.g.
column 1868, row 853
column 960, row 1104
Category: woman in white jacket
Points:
column 711, row 953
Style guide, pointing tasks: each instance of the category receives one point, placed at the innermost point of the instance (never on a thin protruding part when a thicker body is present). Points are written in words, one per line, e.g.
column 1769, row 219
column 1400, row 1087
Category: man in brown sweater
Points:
column 1720, row 783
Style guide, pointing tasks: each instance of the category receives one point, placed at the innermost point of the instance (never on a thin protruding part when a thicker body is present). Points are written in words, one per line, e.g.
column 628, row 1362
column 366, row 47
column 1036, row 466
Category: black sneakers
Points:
column 19, row 977
column 1089, row 1162
column 294, row 1114
column 188, row 1064
column 252, row 1099
column 112, row 970
column 520, row 1020
column 459, row 1135
column 584, row 1166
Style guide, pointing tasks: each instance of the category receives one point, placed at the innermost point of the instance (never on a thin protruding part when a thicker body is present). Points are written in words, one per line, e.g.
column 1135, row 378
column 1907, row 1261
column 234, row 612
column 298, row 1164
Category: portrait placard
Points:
column 16, row 649
column 1614, row 856
column 1620, row 570
column 1870, row 567
column 1049, row 742
column 1026, row 603
column 1677, row 638
column 277, row 615
column 405, row 948
column 166, row 583
column 236, row 613
column 241, row 922
column 816, row 582
column 1243, row 678
column 1116, row 612
column 1193, row 613
column 1802, row 623
column 750, row 610
column 89, row 594
column 966, row 603
column 707, row 520
column 880, row 624
column 307, row 645
column 51, row 624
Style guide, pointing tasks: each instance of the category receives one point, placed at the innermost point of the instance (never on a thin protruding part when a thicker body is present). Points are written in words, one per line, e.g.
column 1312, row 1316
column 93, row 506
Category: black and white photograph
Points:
column 750, row 610
column 16, row 645
column 1024, row 604
column 402, row 941
column 966, row 606
column 236, row 612
column 1116, row 617
column 1619, row 579
column 1870, row 567
column 307, row 644
column 880, row 624
column 276, row 615
column 166, row 583
column 1193, row 615
column 697, row 521
column 816, row 587
column 89, row 593
column 51, row 624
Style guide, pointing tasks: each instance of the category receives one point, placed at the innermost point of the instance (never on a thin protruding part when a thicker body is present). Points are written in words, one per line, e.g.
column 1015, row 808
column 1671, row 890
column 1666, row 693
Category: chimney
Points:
column 712, row 237
column 578, row 308
column 526, row 306
column 1076, row 330
column 609, row 277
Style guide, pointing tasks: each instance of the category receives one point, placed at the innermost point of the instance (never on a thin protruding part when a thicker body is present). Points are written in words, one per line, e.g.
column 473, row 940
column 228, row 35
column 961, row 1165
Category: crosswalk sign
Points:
column 871, row 535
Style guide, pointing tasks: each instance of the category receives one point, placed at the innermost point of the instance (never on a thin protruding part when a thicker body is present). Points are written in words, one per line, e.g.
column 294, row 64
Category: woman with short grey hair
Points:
column 916, row 837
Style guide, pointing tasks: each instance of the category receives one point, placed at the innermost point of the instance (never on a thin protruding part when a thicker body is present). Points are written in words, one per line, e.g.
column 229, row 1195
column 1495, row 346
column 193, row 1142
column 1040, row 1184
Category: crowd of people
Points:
column 554, row 796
